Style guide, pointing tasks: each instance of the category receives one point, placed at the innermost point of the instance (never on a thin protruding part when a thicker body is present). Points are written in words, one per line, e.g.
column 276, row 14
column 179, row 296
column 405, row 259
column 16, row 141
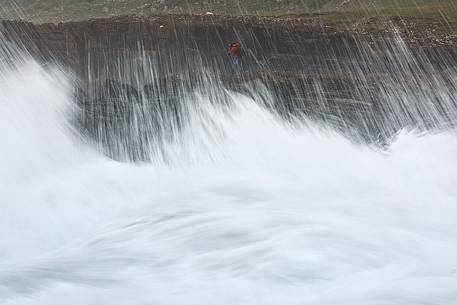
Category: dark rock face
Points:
column 137, row 70
column 179, row 39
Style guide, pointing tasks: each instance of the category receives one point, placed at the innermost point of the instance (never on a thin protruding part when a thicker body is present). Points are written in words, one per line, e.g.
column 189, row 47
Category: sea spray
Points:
column 264, row 212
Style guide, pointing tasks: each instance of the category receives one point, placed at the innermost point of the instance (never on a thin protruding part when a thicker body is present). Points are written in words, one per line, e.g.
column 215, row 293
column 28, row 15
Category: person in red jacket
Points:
column 234, row 53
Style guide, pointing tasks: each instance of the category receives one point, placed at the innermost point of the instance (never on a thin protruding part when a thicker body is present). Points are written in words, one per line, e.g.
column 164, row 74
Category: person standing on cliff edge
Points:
column 234, row 52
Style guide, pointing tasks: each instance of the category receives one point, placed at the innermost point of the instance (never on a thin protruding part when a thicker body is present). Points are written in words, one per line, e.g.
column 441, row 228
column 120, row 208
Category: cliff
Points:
column 276, row 40
column 310, row 69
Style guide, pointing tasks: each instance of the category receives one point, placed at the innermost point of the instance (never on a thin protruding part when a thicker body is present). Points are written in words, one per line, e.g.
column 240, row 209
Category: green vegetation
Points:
column 332, row 12
column 444, row 16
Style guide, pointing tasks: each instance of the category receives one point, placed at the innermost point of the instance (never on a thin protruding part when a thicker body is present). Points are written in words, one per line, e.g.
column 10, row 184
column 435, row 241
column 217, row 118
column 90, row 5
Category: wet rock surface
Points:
column 134, row 70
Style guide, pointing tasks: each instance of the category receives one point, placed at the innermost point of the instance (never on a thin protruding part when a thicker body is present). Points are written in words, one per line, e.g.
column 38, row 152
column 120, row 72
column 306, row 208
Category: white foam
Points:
column 281, row 215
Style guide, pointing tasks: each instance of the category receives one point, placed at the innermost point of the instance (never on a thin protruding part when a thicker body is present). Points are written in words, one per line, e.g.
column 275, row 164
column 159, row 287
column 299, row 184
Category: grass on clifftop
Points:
column 346, row 13
column 445, row 15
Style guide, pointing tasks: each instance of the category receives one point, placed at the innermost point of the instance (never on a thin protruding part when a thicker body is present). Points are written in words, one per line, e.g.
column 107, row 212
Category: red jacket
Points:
column 234, row 49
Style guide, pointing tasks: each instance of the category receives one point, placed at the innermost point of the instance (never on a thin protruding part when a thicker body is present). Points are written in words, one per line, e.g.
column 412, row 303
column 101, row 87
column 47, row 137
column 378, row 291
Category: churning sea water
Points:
column 248, row 209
